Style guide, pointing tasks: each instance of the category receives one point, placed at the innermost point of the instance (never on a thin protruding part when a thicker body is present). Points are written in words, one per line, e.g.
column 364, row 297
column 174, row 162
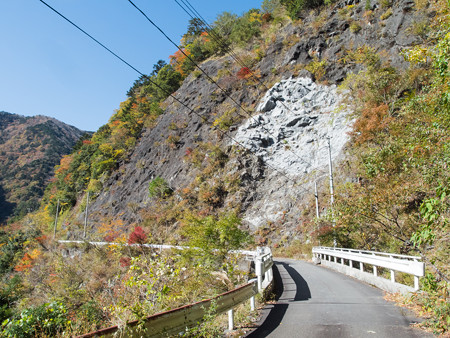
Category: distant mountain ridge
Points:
column 30, row 147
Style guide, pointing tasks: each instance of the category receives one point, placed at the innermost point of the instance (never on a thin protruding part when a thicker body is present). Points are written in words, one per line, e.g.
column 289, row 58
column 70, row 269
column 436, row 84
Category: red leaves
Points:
column 244, row 73
column 138, row 236
column 125, row 261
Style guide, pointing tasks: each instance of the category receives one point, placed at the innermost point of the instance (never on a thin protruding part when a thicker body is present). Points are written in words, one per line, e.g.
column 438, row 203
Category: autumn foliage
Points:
column 244, row 73
column 138, row 236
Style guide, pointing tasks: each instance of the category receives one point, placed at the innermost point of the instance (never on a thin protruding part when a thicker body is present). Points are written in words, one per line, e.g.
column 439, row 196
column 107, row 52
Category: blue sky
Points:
column 47, row 67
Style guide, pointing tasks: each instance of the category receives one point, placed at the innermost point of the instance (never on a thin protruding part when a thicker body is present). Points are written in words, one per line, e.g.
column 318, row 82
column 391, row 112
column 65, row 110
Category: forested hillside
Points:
column 220, row 149
column 30, row 147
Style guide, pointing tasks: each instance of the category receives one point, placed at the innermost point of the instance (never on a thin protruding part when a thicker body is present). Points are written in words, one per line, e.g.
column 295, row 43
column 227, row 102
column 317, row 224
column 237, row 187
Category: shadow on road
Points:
column 273, row 314
column 303, row 292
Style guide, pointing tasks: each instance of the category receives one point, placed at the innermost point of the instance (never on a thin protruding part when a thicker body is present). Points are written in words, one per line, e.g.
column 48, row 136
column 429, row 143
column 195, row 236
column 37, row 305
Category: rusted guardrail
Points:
column 177, row 320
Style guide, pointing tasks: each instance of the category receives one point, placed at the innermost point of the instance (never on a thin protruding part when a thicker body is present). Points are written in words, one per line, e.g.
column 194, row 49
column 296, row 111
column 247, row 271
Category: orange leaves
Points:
column 205, row 37
column 178, row 59
column 371, row 121
column 112, row 231
column 27, row 261
column 64, row 164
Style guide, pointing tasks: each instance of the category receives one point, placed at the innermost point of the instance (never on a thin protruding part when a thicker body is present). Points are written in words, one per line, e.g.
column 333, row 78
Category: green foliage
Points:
column 401, row 156
column 435, row 301
column 270, row 6
column 355, row 27
column 220, row 233
column 317, row 68
column 224, row 24
column 92, row 161
column 294, row 7
column 46, row 320
column 246, row 27
column 159, row 188
column 10, row 293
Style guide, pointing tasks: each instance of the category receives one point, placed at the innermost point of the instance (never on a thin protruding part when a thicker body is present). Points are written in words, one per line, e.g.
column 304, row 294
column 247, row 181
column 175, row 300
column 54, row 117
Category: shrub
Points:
column 294, row 7
column 48, row 319
column 386, row 14
column 317, row 68
column 355, row 27
column 244, row 73
column 138, row 236
column 159, row 188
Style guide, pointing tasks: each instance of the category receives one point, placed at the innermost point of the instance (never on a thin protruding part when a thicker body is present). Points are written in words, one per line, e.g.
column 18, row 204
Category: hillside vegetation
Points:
column 161, row 171
column 30, row 147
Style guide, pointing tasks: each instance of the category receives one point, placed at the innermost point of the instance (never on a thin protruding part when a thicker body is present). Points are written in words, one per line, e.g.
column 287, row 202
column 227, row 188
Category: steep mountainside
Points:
column 30, row 147
column 226, row 157
column 324, row 46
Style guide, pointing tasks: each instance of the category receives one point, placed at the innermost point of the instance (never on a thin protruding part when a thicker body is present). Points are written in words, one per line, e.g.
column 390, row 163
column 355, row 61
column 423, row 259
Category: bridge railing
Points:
column 177, row 320
column 344, row 259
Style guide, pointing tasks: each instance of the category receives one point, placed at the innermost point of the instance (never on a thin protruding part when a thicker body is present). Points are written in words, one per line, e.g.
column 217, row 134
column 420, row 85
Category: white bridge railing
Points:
column 344, row 261
column 177, row 320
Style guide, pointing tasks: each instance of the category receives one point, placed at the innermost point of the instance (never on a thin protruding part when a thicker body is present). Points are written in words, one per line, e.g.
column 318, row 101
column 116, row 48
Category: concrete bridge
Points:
column 315, row 301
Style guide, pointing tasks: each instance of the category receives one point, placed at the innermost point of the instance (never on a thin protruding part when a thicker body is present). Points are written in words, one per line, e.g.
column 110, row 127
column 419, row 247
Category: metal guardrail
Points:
column 177, row 320
column 393, row 262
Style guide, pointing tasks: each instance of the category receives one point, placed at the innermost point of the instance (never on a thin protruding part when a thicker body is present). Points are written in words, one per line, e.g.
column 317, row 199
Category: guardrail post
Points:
column 350, row 263
column 392, row 276
column 416, row 283
column 375, row 272
column 230, row 319
column 361, row 266
column 252, row 303
column 258, row 271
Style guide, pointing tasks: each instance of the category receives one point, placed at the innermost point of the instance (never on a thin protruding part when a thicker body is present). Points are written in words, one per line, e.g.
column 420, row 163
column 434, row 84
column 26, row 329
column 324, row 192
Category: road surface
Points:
column 314, row 301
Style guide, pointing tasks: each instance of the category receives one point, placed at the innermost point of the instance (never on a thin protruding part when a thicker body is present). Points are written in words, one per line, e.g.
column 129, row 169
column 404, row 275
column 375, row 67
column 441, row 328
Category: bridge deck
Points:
column 317, row 302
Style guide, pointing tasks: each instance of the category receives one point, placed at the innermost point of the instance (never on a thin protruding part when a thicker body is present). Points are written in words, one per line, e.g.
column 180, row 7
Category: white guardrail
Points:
column 343, row 260
column 177, row 320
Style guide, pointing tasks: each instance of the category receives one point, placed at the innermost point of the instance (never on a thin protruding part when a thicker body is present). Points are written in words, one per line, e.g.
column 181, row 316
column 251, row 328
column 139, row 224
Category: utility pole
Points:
column 56, row 219
column 331, row 186
column 86, row 215
column 316, row 195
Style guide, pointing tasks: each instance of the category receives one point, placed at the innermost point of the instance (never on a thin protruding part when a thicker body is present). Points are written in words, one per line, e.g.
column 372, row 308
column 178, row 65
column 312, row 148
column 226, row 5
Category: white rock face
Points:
column 297, row 116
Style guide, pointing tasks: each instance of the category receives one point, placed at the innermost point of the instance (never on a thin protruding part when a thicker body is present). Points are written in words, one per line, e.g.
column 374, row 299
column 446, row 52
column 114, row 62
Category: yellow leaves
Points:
column 255, row 17
column 417, row 55
column 27, row 261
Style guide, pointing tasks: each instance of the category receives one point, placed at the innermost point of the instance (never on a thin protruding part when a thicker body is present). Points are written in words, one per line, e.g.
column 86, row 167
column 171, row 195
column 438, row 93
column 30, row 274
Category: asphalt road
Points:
column 314, row 301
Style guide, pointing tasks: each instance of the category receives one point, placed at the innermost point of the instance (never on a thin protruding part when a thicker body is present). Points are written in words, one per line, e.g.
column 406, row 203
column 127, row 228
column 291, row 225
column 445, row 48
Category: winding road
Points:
column 313, row 301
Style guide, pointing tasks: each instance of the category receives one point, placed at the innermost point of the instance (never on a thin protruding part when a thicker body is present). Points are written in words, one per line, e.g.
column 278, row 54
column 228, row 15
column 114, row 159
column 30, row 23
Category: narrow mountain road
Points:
column 317, row 302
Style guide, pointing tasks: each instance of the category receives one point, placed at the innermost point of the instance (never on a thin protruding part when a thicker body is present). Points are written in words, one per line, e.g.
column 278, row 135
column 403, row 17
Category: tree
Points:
column 159, row 188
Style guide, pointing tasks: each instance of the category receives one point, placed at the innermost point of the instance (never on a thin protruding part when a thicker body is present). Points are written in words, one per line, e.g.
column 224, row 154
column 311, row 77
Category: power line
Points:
column 206, row 74
column 196, row 15
column 164, row 90
column 91, row 37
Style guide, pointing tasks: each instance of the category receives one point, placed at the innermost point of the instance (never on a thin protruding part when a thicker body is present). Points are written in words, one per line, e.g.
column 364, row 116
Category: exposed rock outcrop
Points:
column 297, row 117
column 286, row 140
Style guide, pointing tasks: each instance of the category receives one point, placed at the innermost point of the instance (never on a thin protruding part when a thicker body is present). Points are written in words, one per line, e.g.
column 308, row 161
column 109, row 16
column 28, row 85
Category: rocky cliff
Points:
column 272, row 128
